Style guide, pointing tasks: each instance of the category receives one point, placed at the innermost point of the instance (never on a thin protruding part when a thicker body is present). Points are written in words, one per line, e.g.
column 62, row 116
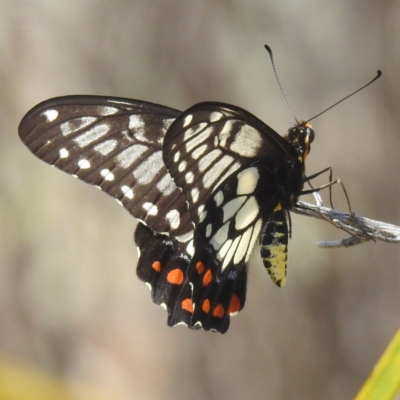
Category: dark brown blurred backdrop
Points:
column 70, row 303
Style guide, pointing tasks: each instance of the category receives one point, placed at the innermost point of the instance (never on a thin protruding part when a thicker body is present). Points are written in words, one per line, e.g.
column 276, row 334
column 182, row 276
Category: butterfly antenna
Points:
column 378, row 74
column 279, row 82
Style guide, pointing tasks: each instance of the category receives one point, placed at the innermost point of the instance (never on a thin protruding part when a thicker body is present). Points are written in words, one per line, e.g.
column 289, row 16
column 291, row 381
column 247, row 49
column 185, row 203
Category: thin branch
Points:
column 361, row 229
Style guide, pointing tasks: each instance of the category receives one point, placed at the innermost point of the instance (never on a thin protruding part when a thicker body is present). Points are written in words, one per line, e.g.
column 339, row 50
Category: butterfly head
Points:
column 300, row 136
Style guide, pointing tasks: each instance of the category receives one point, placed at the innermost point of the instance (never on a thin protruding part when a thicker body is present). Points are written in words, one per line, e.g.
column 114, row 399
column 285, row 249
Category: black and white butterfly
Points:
column 205, row 185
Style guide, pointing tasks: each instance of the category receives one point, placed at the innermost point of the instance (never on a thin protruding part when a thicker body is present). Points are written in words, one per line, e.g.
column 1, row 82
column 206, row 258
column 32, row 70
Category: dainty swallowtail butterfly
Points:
column 205, row 184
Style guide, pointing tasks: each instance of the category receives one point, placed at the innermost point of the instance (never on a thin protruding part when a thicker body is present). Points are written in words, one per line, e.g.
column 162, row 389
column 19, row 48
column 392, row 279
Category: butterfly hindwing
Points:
column 224, row 239
column 115, row 144
column 163, row 264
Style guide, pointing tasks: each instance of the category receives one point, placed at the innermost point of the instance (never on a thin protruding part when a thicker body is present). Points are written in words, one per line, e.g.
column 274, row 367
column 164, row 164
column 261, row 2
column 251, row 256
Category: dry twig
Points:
column 360, row 228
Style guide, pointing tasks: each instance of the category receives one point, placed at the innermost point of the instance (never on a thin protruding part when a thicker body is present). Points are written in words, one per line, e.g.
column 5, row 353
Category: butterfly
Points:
column 205, row 185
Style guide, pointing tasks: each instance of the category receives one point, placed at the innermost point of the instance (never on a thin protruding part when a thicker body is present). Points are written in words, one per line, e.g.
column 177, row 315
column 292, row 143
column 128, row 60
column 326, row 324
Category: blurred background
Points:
column 75, row 322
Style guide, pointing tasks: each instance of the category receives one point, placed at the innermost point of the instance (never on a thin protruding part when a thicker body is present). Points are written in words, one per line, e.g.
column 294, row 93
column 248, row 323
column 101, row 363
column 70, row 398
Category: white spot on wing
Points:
column 107, row 174
column 224, row 249
column 182, row 166
column 215, row 172
column 93, row 134
column 219, row 198
column 177, row 156
column 243, row 246
column 128, row 156
column 199, row 151
column 200, row 210
column 167, row 123
column 188, row 120
column 64, row 153
column 215, row 116
column 208, row 230
column 227, row 173
column 51, row 115
column 247, row 142
column 148, row 169
column 232, row 207
column 181, row 323
column 202, row 216
column 247, row 214
column 106, row 147
column 106, row 110
column 220, row 236
column 190, row 249
column 166, row 185
column 137, row 128
column 231, row 252
column 185, row 237
column 247, row 181
column 195, row 194
column 135, row 122
column 83, row 164
column 151, row 208
column 127, row 191
column 200, row 138
column 194, row 130
column 173, row 217
column 225, row 133
column 207, row 160
column 76, row 124
column 189, row 177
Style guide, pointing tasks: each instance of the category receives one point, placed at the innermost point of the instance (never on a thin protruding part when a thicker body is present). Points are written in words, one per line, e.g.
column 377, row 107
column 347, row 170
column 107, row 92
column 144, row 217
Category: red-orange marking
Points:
column 175, row 276
column 218, row 311
column 156, row 266
column 187, row 305
column 199, row 267
column 234, row 307
column 207, row 278
column 206, row 306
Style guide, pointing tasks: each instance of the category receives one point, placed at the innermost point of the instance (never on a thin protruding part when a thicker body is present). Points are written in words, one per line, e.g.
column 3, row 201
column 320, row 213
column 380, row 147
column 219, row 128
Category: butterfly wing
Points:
column 116, row 145
column 163, row 264
column 219, row 170
column 230, row 167
column 209, row 142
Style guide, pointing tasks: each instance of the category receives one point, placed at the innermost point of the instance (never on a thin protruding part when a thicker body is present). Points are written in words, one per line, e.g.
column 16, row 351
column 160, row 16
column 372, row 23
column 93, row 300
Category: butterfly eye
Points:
column 310, row 134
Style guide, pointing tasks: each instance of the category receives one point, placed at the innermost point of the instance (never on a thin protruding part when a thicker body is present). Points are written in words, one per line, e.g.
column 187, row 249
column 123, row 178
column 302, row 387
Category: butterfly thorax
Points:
column 299, row 137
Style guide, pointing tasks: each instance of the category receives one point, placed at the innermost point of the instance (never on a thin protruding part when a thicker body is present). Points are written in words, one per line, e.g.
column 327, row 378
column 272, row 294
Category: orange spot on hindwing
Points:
column 175, row 276
column 206, row 306
column 234, row 307
column 156, row 266
column 219, row 311
column 207, row 278
column 187, row 305
column 199, row 267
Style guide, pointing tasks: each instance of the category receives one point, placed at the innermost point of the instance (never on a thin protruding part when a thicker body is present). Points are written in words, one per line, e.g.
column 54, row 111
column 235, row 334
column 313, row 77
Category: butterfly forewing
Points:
column 115, row 144
column 209, row 142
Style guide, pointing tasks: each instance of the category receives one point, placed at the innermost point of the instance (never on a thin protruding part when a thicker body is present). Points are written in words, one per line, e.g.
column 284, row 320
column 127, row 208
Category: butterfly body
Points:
column 204, row 184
